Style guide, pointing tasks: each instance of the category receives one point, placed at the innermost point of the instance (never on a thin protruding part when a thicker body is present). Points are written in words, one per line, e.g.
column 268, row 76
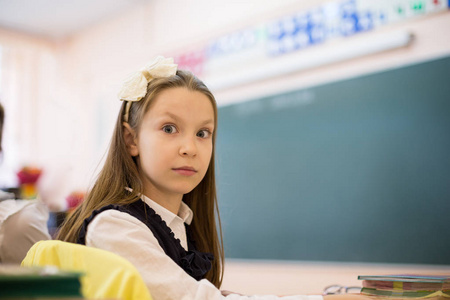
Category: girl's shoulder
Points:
column 111, row 213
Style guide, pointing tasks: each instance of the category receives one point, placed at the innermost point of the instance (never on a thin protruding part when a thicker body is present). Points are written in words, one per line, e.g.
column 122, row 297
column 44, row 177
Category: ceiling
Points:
column 57, row 19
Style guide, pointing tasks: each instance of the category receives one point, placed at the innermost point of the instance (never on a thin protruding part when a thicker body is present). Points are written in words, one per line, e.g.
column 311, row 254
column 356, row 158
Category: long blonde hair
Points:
column 120, row 170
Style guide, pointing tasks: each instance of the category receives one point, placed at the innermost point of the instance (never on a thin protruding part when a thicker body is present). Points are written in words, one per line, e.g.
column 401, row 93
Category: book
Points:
column 38, row 283
column 406, row 285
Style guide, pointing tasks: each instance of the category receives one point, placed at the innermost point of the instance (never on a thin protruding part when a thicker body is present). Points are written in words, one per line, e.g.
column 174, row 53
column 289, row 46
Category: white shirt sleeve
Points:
column 126, row 236
column 22, row 223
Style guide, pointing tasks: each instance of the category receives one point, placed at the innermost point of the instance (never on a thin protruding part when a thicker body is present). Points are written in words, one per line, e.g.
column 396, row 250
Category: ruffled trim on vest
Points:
column 83, row 230
column 151, row 213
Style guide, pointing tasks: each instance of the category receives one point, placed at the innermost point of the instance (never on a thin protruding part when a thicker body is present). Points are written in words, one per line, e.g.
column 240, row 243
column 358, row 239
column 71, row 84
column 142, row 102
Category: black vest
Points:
column 194, row 262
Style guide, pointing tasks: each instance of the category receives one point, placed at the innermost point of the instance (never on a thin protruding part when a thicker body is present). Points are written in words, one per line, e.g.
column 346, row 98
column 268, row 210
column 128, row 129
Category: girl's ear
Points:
column 130, row 138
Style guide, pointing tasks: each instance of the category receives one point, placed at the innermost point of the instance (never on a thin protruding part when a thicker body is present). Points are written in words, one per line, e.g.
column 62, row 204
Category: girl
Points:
column 154, row 201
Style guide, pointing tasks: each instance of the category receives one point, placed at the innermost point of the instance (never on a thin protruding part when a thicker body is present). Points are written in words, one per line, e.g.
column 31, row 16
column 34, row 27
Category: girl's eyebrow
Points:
column 176, row 118
column 207, row 122
column 171, row 115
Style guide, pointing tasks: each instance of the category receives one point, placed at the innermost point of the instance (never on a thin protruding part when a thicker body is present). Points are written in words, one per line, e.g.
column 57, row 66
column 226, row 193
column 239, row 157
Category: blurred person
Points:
column 3, row 195
column 22, row 222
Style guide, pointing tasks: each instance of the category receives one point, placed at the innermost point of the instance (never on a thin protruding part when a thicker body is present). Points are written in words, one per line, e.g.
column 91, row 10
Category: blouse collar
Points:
column 184, row 213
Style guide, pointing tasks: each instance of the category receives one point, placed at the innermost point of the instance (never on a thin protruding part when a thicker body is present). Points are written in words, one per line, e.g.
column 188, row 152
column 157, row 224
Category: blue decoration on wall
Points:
column 335, row 19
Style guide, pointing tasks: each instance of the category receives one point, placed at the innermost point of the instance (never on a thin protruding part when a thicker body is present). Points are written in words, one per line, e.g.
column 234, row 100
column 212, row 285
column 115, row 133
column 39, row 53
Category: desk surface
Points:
column 297, row 278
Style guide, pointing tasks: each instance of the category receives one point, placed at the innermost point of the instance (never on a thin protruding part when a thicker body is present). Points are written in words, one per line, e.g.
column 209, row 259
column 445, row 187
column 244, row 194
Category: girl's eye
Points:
column 169, row 129
column 204, row 134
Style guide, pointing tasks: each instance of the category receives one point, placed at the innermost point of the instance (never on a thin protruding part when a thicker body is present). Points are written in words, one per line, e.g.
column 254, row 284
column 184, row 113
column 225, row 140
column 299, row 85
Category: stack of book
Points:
column 406, row 286
column 38, row 283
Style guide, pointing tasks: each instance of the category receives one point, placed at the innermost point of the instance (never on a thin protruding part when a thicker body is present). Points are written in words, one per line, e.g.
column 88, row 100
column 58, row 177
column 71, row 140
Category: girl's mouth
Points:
column 185, row 171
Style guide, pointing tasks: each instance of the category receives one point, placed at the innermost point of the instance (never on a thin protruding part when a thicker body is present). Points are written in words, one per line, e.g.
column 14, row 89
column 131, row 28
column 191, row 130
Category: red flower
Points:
column 29, row 175
column 74, row 199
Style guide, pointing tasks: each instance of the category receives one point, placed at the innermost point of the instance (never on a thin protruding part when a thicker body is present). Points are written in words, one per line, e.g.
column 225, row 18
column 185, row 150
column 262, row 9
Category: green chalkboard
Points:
column 356, row 170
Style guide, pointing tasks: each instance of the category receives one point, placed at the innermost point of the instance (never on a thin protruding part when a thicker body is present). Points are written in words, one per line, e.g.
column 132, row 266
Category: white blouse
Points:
column 128, row 237
column 22, row 223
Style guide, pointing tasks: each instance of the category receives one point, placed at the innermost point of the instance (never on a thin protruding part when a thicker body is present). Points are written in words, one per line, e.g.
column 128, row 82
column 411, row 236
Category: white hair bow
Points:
column 135, row 87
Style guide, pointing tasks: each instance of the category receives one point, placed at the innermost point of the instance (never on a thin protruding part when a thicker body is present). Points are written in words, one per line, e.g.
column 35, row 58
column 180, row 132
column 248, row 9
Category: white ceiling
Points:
column 58, row 18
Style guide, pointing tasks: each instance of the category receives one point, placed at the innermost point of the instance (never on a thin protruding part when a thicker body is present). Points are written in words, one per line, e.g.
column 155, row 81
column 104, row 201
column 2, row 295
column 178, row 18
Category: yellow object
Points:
column 28, row 191
column 397, row 285
column 107, row 275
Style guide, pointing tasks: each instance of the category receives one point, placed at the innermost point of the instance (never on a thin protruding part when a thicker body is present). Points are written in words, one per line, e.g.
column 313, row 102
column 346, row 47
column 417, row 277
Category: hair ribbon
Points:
column 135, row 86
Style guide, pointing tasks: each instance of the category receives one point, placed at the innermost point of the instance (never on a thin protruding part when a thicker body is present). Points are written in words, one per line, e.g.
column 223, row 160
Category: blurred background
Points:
column 334, row 118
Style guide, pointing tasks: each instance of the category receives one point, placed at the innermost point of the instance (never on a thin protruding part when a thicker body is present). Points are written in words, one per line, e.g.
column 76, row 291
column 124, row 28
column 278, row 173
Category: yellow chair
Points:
column 106, row 275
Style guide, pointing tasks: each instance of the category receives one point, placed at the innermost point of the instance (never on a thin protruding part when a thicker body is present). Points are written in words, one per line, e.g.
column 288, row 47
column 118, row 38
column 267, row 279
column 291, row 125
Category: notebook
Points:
column 406, row 285
column 25, row 282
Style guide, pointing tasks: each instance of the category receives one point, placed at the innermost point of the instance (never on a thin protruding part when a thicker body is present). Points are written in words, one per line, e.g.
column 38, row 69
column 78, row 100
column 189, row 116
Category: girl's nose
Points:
column 188, row 147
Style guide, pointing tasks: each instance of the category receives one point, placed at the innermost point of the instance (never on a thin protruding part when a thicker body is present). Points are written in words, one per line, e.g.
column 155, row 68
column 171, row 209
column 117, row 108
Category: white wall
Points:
column 28, row 79
column 429, row 42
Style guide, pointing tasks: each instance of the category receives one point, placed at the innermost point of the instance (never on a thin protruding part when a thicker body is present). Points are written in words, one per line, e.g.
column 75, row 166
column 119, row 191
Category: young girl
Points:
column 154, row 201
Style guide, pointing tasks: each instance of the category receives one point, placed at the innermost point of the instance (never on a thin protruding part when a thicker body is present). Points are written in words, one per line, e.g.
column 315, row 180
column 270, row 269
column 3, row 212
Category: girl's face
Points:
column 174, row 143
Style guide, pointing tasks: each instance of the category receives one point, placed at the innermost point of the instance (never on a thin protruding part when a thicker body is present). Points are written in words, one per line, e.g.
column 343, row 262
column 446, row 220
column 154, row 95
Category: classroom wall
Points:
column 429, row 42
column 28, row 84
